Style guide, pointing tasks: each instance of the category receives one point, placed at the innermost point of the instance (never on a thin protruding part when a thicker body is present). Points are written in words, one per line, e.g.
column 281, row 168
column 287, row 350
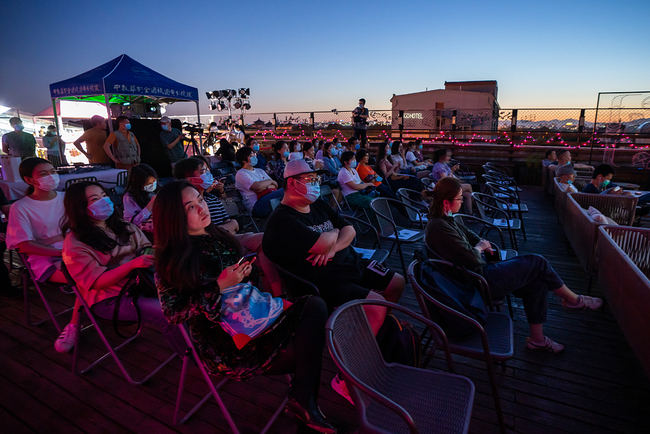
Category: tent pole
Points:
column 58, row 133
column 198, row 116
column 109, row 121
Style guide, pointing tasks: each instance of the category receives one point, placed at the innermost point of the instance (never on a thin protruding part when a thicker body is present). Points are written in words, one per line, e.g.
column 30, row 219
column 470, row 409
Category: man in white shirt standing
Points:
column 255, row 185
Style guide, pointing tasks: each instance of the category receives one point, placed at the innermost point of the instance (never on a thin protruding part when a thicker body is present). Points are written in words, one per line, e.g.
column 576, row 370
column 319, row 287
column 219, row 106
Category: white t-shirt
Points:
column 569, row 188
column 410, row 157
column 243, row 181
column 346, row 176
column 35, row 220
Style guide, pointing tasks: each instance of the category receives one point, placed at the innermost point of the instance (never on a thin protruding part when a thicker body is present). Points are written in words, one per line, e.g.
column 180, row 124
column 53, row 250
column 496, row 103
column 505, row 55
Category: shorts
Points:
column 375, row 277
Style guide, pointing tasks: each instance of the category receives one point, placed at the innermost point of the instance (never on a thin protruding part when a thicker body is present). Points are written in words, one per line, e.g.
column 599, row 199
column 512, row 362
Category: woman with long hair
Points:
column 442, row 169
column 101, row 251
column 367, row 174
column 197, row 261
column 529, row 277
column 390, row 171
column 141, row 187
column 280, row 156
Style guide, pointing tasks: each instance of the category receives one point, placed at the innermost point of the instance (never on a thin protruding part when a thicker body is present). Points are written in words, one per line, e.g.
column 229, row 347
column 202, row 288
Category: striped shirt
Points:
column 218, row 213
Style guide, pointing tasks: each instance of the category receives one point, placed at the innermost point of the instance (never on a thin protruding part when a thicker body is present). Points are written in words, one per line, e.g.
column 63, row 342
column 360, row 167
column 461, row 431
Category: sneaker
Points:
column 548, row 345
column 584, row 303
column 341, row 388
column 10, row 292
column 66, row 340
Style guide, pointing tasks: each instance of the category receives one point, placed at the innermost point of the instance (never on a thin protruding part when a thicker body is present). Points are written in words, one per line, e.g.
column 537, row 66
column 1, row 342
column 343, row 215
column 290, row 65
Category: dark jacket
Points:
column 454, row 243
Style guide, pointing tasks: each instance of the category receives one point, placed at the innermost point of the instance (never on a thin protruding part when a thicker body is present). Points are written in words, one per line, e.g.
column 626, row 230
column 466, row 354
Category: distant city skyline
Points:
column 314, row 56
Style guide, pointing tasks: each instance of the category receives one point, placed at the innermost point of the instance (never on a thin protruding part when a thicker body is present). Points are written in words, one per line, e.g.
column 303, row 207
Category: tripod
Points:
column 191, row 142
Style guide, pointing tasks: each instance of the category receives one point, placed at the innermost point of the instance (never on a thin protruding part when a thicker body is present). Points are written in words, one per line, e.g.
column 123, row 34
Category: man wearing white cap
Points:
column 309, row 238
column 172, row 140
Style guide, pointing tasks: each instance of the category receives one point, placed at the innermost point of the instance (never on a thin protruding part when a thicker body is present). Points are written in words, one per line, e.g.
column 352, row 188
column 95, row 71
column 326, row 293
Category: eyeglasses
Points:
column 459, row 198
column 313, row 181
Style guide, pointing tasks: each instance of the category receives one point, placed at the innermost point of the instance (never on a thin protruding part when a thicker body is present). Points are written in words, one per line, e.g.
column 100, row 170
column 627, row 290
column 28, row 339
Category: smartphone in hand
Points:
column 247, row 258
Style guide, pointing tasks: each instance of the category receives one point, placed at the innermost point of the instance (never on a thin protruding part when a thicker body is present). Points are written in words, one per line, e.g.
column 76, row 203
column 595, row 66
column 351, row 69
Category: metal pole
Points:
column 109, row 121
column 58, row 134
column 198, row 116
column 593, row 134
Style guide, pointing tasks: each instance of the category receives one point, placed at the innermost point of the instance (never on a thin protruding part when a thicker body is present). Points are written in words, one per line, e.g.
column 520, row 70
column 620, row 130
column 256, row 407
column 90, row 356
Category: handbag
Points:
column 247, row 313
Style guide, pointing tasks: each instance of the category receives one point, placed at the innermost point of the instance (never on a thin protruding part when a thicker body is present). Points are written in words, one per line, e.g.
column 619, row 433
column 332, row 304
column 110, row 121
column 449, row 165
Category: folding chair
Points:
column 69, row 182
column 214, row 390
column 235, row 207
column 29, row 274
column 485, row 203
column 427, row 183
column 492, row 342
column 394, row 398
column 274, row 203
column 296, row 286
column 112, row 351
column 414, row 198
column 512, row 199
column 389, row 230
column 120, row 184
column 464, row 173
column 380, row 255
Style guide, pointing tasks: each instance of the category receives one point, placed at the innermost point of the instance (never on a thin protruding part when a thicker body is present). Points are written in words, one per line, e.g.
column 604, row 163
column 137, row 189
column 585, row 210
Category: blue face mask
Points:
column 605, row 182
column 207, row 179
column 378, row 179
column 165, row 127
column 389, row 152
column 256, row 148
column 420, row 147
column 151, row 187
column 102, row 209
column 19, row 127
column 353, row 164
column 357, row 147
column 313, row 192
column 127, row 126
column 339, row 146
column 334, row 152
column 569, row 182
column 253, row 161
column 286, row 154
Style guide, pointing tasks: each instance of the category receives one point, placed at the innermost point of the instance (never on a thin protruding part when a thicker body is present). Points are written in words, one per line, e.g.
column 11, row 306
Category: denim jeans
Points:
column 262, row 207
column 151, row 313
column 529, row 277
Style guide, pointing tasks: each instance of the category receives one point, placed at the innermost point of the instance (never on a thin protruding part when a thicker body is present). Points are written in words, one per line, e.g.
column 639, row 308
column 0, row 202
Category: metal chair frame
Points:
column 390, row 230
column 112, row 351
column 29, row 274
column 69, row 182
column 512, row 198
column 214, row 390
column 482, row 204
column 406, row 195
column 464, row 346
column 380, row 254
column 371, row 388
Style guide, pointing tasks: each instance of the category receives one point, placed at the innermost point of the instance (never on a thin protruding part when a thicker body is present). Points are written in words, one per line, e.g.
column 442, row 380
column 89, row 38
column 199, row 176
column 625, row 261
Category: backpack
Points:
column 455, row 294
column 399, row 342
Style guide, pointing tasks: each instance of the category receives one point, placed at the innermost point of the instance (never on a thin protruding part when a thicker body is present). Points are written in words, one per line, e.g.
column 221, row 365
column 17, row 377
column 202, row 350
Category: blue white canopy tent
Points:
column 122, row 80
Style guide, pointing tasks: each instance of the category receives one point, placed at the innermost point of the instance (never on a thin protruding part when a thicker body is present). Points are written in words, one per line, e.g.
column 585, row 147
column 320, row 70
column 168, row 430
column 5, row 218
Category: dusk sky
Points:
column 321, row 55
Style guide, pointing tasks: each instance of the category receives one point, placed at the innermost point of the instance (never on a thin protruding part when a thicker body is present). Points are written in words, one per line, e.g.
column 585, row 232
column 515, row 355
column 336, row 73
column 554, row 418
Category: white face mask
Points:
column 49, row 182
column 151, row 187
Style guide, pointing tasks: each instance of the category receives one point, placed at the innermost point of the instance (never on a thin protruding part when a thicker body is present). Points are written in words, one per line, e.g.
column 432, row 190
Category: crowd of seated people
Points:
column 201, row 253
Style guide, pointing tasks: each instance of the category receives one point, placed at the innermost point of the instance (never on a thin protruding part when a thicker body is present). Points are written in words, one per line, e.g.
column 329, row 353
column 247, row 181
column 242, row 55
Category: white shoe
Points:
column 65, row 342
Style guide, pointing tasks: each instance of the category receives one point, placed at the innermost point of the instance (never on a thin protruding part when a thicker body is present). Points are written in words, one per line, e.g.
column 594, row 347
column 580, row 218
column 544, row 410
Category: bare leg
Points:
column 536, row 332
column 566, row 294
column 393, row 291
column 375, row 314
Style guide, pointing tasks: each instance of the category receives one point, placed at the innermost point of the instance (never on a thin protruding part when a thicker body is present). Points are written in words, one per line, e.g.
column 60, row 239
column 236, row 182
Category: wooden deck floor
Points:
column 595, row 386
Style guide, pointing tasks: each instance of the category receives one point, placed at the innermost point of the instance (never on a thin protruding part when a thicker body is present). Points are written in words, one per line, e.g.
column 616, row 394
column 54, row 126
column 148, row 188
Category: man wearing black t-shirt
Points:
column 310, row 239
column 360, row 121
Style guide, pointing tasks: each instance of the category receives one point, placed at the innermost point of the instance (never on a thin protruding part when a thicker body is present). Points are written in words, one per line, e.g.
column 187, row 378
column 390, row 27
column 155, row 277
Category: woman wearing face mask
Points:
column 295, row 150
column 391, row 171
column 397, row 158
column 356, row 192
column 331, row 162
column 52, row 142
column 530, row 277
column 141, row 187
column 100, row 252
column 121, row 145
column 281, row 156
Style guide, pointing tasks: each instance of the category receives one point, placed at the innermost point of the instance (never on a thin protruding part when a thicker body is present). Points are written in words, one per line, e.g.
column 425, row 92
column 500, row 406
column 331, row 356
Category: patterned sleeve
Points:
column 178, row 307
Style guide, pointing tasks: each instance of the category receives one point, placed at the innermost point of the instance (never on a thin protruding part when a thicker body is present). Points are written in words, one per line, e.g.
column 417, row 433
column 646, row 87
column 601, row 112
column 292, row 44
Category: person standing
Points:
column 121, row 145
column 18, row 143
column 51, row 141
column 360, row 121
column 172, row 140
column 95, row 138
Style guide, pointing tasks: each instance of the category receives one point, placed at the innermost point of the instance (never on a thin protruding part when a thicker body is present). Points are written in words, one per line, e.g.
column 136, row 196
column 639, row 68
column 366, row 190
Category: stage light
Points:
column 209, row 95
column 247, row 106
column 244, row 92
column 237, row 104
column 232, row 93
column 221, row 105
column 213, row 105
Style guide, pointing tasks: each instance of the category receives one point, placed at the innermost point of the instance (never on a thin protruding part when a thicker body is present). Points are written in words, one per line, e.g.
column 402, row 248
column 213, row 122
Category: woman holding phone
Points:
column 196, row 263
column 100, row 250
